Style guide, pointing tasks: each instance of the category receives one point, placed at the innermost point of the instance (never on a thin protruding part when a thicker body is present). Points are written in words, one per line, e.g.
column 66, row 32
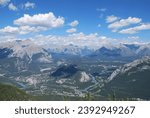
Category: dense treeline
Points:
column 11, row 93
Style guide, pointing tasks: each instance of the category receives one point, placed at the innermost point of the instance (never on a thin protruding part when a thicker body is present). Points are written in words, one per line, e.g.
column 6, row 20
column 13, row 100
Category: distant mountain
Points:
column 144, row 50
column 27, row 49
column 132, row 80
column 122, row 51
column 103, row 51
column 11, row 93
column 71, row 50
column 132, row 46
column 23, row 49
column 22, row 55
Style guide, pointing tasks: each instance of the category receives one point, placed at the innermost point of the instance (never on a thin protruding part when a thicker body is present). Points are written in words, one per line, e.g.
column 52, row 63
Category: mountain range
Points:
column 75, row 71
column 27, row 48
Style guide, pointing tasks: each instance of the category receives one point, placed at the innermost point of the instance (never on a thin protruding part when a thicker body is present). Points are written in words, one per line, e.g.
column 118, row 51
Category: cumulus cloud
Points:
column 134, row 37
column 28, row 29
column 92, row 40
column 135, row 29
column 6, row 38
column 72, row 30
column 9, row 30
column 32, row 24
column 44, row 20
column 74, row 23
column 28, row 5
column 4, row 2
column 81, row 36
column 111, row 18
column 22, row 30
column 12, row 7
column 124, row 22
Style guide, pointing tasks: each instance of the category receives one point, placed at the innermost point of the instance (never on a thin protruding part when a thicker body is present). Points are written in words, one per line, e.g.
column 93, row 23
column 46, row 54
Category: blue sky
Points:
column 110, row 19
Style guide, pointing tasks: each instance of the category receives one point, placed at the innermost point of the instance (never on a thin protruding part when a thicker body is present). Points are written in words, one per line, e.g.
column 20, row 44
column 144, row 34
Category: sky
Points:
column 79, row 22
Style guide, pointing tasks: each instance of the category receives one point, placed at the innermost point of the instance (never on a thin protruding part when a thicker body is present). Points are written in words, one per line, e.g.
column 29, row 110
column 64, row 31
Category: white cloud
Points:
column 134, row 37
column 92, row 40
column 8, row 30
column 124, row 22
column 135, row 29
column 12, row 7
column 7, row 38
column 72, row 30
column 111, row 18
column 4, row 2
column 28, row 29
column 74, row 23
column 81, row 36
column 44, row 20
column 31, row 24
column 28, row 5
